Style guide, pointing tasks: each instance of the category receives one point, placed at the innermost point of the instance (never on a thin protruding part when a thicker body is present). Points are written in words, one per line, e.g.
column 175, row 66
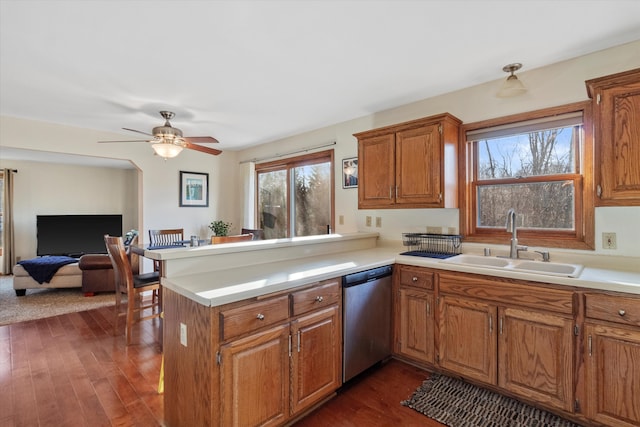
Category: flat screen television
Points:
column 75, row 235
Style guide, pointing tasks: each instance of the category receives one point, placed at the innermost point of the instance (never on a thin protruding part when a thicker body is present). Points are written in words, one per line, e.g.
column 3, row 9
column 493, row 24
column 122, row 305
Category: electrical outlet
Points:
column 434, row 230
column 378, row 222
column 452, row 230
column 183, row 334
column 609, row 241
column 367, row 221
column 341, row 220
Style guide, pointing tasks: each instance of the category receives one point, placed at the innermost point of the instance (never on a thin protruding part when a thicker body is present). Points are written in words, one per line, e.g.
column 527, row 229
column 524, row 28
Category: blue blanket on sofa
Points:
column 44, row 268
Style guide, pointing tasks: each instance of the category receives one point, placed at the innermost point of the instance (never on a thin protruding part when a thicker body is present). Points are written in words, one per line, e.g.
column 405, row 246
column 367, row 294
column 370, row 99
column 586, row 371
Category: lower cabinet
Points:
column 535, row 350
column 526, row 349
column 612, row 360
column 468, row 344
column 270, row 376
column 316, row 354
column 254, row 379
column 414, row 314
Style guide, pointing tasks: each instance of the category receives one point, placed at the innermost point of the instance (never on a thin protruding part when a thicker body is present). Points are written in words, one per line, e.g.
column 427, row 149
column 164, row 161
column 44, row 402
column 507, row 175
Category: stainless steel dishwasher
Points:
column 366, row 320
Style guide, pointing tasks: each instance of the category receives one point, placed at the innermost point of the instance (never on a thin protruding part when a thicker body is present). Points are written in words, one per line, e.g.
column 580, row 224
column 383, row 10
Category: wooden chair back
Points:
column 165, row 236
column 131, row 285
column 258, row 234
column 232, row 239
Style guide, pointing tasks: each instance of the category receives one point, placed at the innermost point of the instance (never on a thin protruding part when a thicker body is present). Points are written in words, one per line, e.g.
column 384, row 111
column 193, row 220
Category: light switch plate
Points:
column 367, row 221
column 378, row 221
column 609, row 241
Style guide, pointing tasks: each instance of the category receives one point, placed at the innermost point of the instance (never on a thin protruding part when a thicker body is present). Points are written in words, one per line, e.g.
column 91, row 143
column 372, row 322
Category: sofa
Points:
column 93, row 273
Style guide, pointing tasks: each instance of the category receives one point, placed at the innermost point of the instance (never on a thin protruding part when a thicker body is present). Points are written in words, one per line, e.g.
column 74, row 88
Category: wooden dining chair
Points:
column 258, row 234
column 164, row 237
column 232, row 239
column 133, row 286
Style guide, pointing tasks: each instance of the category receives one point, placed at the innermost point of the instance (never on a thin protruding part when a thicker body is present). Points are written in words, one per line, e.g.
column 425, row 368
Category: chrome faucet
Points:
column 514, row 252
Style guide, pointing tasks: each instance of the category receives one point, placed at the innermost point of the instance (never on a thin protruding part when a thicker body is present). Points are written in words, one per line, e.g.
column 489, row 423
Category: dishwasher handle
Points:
column 366, row 276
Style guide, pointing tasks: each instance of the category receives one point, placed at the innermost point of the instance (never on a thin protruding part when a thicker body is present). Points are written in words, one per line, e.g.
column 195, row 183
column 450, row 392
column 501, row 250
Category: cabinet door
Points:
column 536, row 356
column 376, row 180
column 316, row 357
column 468, row 343
column 617, row 132
column 254, row 379
column 418, row 166
column 414, row 316
column 612, row 375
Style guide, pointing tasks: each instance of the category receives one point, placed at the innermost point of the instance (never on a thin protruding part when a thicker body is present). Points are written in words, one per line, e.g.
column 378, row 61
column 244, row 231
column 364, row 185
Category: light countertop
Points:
column 223, row 286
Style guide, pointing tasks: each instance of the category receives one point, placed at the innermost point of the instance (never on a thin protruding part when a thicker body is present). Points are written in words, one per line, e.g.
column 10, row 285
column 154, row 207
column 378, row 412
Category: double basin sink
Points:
column 520, row 265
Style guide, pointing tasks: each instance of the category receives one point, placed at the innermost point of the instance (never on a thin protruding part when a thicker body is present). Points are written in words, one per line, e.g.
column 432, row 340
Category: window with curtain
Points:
column 295, row 196
column 535, row 166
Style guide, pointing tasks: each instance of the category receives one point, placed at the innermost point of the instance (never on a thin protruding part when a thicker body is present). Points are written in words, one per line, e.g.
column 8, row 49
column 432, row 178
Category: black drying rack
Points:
column 432, row 245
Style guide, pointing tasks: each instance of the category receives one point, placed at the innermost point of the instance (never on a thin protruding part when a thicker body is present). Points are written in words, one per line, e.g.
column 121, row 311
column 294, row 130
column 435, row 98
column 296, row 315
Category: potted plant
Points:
column 220, row 228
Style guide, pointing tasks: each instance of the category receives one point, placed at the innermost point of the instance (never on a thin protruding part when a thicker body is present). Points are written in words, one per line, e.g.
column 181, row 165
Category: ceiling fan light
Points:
column 166, row 150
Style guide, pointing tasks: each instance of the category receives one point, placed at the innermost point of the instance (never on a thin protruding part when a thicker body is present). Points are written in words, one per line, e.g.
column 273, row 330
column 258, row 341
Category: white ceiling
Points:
column 249, row 72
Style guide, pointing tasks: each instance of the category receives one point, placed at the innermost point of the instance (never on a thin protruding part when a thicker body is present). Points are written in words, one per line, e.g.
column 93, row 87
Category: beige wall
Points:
column 158, row 179
column 558, row 84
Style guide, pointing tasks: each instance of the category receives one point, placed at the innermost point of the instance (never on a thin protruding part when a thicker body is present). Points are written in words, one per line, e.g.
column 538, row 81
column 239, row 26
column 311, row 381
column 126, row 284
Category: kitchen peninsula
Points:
column 237, row 316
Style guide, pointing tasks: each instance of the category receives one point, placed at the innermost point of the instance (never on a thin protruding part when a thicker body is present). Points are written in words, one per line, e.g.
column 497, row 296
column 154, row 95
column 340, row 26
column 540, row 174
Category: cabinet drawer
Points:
column 612, row 308
column 319, row 296
column 416, row 277
column 253, row 316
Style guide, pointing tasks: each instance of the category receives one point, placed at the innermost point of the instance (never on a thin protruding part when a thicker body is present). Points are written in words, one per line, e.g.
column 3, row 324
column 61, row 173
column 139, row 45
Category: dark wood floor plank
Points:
column 72, row 371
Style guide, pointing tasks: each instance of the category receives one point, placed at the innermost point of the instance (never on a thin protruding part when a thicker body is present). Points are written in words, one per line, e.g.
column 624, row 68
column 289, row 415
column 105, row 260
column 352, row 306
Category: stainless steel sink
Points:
column 522, row 265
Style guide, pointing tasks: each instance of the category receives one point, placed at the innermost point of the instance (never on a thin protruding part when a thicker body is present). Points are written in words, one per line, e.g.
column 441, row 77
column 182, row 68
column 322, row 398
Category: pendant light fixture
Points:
column 512, row 86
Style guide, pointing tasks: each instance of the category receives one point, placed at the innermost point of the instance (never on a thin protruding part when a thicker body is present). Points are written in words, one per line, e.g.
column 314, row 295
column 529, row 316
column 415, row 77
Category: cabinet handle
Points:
column 440, row 197
column 590, row 343
column 319, row 298
column 428, row 309
column 298, row 341
column 599, row 191
column 260, row 316
column 396, row 191
column 500, row 325
column 414, row 279
column 490, row 324
column 622, row 312
column 390, row 192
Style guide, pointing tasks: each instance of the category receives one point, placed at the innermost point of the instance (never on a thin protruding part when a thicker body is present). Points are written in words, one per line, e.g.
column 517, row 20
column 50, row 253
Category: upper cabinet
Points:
column 616, row 111
column 409, row 165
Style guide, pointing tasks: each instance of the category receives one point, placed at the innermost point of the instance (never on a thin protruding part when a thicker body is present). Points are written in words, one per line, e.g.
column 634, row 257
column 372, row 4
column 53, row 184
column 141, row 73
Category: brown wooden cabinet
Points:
column 517, row 336
column 409, row 165
column 616, row 111
column 468, row 344
column 414, row 314
column 612, row 359
column 316, row 354
column 298, row 362
column 251, row 366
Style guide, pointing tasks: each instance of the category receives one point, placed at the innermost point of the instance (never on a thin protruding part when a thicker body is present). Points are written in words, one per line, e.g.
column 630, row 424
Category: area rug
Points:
column 456, row 403
column 41, row 303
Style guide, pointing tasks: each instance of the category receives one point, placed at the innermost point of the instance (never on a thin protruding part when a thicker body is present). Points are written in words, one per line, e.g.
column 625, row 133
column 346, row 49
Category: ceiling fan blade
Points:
column 137, row 131
column 202, row 149
column 131, row 140
column 200, row 139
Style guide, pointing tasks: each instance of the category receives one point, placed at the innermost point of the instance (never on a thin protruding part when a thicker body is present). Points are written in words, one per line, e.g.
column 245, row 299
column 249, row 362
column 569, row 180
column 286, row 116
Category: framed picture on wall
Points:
column 350, row 172
column 194, row 189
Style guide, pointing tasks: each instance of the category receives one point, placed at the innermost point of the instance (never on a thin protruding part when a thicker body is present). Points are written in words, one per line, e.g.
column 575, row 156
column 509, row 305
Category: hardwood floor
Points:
column 70, row 370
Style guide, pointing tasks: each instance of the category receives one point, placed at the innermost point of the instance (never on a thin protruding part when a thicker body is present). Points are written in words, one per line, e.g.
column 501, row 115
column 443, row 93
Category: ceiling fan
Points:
column 168, row 141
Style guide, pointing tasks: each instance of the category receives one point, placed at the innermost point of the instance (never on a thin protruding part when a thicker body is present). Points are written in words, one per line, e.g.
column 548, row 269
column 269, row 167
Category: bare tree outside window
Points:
column 533, row 173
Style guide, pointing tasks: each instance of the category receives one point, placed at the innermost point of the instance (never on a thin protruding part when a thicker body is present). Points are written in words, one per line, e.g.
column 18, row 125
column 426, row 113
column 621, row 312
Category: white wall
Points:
column 554, row 85
column 57, row 189
column 156, row 201
column 158, row 179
